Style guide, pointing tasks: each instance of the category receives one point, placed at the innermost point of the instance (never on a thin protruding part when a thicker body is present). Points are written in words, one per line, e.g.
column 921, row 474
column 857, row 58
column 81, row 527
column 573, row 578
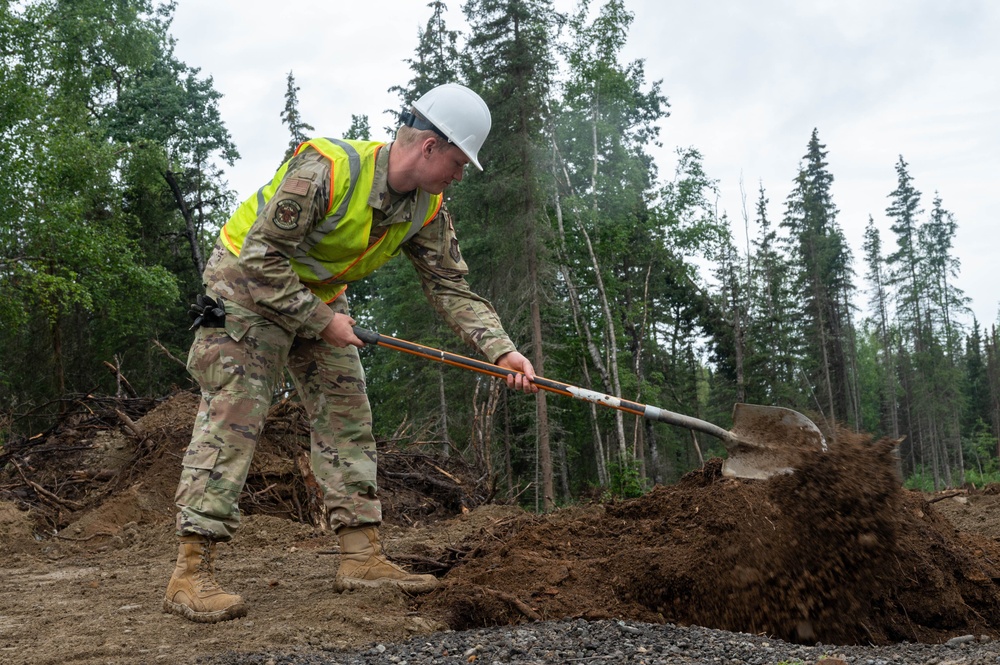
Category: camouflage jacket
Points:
column 262, row 279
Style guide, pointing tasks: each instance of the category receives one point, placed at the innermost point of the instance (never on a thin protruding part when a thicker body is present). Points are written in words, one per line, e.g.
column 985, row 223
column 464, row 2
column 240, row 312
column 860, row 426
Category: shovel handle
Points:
column 636, row 408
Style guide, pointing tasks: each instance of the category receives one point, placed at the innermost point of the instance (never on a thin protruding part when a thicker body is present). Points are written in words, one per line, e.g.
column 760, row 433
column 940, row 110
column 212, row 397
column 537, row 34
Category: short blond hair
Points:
column 407, row 136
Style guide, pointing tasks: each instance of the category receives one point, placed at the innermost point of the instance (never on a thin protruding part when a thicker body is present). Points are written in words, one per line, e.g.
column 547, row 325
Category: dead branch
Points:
column 517, row 603
column 317, row 507
column 453, row 478
column 946, row 496
column 425, row 564
column 42, row 492
column 131, row 426
column 120, row 379
column 167, row 353
column 450, row 487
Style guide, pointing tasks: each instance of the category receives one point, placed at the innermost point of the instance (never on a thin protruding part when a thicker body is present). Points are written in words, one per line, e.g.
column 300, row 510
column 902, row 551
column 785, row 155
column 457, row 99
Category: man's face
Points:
column 443, row 164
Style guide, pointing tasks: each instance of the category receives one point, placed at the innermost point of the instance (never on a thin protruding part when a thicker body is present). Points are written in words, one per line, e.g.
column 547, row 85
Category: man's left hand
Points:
column 522, row 381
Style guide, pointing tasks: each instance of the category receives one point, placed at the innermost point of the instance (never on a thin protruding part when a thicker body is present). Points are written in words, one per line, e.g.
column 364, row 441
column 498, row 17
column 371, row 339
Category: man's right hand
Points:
column 340, row 332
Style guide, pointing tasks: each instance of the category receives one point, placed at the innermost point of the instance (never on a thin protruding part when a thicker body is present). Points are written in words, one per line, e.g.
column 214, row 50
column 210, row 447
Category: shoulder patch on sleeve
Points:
column 298, row 186
column 286, row 214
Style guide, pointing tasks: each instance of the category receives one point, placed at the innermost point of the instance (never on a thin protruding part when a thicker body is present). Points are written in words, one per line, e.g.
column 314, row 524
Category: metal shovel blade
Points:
column 769, row 440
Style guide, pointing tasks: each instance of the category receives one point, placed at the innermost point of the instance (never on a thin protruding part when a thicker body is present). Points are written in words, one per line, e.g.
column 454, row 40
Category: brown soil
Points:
column 836, row 552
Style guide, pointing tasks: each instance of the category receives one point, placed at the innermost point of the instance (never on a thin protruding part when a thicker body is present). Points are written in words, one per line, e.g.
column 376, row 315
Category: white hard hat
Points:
column 458, row 114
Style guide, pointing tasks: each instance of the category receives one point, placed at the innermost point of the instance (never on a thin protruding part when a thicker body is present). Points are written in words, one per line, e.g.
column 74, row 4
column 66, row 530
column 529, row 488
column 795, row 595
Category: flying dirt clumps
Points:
column 837, row 552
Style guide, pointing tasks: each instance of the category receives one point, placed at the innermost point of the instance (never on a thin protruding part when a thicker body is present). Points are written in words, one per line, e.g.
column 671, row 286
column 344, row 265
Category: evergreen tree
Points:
column 509, row 61
column 436, row 60
column 921, row 269
column 290, row 116
column 976, row 387
column 823, row 272
column 947, row 301
column 773, row 346
column 359, row 130
column 906, row 263
column 991, row 346
column 885, row 338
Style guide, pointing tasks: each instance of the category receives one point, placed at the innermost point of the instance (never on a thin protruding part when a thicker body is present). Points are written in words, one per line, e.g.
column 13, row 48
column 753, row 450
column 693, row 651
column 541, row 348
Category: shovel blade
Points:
column 769, row 440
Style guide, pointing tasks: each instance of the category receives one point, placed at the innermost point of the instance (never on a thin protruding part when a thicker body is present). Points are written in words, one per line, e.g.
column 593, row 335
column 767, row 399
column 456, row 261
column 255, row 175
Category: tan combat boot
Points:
column 362, row 564
column 193, row 592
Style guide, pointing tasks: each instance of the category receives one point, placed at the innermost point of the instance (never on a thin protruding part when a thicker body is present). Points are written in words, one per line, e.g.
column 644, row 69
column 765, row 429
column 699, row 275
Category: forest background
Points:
column 611, row 274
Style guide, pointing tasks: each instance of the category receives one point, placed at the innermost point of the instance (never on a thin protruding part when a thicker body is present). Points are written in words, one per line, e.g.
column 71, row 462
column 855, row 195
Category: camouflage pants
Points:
column 238, row 368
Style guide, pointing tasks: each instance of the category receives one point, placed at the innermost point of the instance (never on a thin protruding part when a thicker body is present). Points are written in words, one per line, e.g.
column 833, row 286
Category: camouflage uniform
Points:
column 273, row 321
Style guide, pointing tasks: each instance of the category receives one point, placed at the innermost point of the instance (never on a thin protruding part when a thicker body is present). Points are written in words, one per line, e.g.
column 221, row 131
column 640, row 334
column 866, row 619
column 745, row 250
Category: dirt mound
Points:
column 115, row 463
column 836, row 553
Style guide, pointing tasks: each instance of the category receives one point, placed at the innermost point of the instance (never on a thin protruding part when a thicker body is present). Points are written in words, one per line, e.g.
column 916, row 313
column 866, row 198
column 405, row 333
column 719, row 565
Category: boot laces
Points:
column 205, row 574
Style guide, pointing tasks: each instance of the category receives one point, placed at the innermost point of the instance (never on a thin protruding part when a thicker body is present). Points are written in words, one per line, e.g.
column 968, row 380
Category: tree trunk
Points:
column 508, row 465
column 445, row 438
column 57, row 353
column 191, row 230
column 542, row 407
column 616, row 387
column 563, row 470
column 582, row 329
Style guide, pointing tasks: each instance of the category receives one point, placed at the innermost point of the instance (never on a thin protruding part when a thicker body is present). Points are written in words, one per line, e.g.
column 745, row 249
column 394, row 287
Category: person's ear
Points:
column 429, row 145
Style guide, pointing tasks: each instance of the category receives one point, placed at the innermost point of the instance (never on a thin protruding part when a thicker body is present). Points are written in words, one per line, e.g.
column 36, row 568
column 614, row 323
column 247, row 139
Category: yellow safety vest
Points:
column 336, row 252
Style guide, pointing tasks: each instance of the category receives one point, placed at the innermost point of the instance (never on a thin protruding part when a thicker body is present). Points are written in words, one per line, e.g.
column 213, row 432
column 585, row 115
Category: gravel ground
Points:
column 582, row 641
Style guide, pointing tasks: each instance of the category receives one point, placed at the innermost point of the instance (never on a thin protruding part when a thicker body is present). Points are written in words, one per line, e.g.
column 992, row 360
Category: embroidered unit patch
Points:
column 286, row 214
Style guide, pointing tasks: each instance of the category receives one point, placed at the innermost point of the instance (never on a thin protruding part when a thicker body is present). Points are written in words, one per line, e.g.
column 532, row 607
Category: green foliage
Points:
column 299, row 129
column 359, row 130
column 821, row 261
column 626, row 480
column 981, row 451
column 107, row 140
column 921, row 480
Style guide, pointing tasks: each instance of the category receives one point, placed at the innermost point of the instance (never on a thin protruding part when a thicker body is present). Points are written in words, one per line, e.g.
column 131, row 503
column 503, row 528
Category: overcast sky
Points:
column 747, row 81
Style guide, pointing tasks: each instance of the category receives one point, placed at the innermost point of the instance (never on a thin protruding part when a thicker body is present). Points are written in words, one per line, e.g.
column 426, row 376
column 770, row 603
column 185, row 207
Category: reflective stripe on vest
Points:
column 336, row 252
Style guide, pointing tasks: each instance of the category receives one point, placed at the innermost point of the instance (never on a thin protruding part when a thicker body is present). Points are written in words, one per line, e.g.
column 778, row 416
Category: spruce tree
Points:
column 509, row 61
column 359, row 130
column 774, row 349
column 290, row 116
column 922, row 270
column 822, row 261
column 879, row 304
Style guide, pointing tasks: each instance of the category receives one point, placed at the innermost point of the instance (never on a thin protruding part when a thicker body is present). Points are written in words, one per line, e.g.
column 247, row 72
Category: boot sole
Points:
column 353, row 584
column 234, row 612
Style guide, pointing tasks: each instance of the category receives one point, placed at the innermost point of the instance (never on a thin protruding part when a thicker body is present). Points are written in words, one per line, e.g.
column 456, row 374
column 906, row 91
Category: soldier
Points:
column 276, row 297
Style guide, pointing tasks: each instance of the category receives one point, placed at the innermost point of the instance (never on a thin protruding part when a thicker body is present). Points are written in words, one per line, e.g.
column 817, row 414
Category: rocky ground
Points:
column 834, row 562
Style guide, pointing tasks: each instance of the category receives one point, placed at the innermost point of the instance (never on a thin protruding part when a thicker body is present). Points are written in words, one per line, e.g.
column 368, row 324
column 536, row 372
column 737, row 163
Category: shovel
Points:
column 764, row 441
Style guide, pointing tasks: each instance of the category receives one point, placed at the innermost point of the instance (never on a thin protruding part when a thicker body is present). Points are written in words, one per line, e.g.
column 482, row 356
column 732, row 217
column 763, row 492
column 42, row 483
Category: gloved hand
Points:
column 208, row 312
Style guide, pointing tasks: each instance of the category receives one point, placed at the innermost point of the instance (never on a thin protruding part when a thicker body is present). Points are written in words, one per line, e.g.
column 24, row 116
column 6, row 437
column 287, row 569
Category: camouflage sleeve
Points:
column 298, row 205
column 435, row 255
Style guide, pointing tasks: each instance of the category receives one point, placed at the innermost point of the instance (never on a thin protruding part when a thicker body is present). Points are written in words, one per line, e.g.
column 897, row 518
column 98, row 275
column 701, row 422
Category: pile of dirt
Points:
column 117, row 461
column 837, row 552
